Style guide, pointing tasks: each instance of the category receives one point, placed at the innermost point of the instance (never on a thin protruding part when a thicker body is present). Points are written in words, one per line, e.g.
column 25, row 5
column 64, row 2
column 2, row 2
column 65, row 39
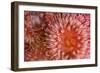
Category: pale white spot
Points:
column 63, row 53
column 82, row 41
column 81, row 26
column 62, row 31
column 76, row 29
column 55, row 49
column 78, row 37
column 78, row 23
column 58, row 34
column 79, row 31
column 46, row 34
column 74, row 53
column 59, row 39
column 67, row 56
column 54, row 36
column 78, row 45
column 78, row 51
column 35, row 20
column 68, row 28
column 73, row 26
column 55, row 43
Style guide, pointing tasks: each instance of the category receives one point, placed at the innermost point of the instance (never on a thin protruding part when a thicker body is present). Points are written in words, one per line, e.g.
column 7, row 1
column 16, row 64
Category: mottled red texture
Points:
column 56, row 36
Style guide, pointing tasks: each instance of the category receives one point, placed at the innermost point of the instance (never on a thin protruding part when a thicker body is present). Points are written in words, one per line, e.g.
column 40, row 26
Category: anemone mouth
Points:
column 56, row 36
column 69, row 40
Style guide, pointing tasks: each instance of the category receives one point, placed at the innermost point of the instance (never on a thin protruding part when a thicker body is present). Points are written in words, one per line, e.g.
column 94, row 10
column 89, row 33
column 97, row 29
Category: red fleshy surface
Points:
column 56, row 36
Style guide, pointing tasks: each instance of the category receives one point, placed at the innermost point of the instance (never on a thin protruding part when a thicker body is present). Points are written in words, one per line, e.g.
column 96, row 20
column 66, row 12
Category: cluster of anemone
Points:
column 56, row 36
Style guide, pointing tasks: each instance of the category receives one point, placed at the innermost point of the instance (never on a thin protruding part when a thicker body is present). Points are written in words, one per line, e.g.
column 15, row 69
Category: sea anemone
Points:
column 67, row 35
column 56, row 36
column 33, row 36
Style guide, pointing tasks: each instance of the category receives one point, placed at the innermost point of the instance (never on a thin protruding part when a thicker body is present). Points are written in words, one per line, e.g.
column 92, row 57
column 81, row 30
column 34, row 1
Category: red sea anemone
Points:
column 56, row 36
column 68, row 35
